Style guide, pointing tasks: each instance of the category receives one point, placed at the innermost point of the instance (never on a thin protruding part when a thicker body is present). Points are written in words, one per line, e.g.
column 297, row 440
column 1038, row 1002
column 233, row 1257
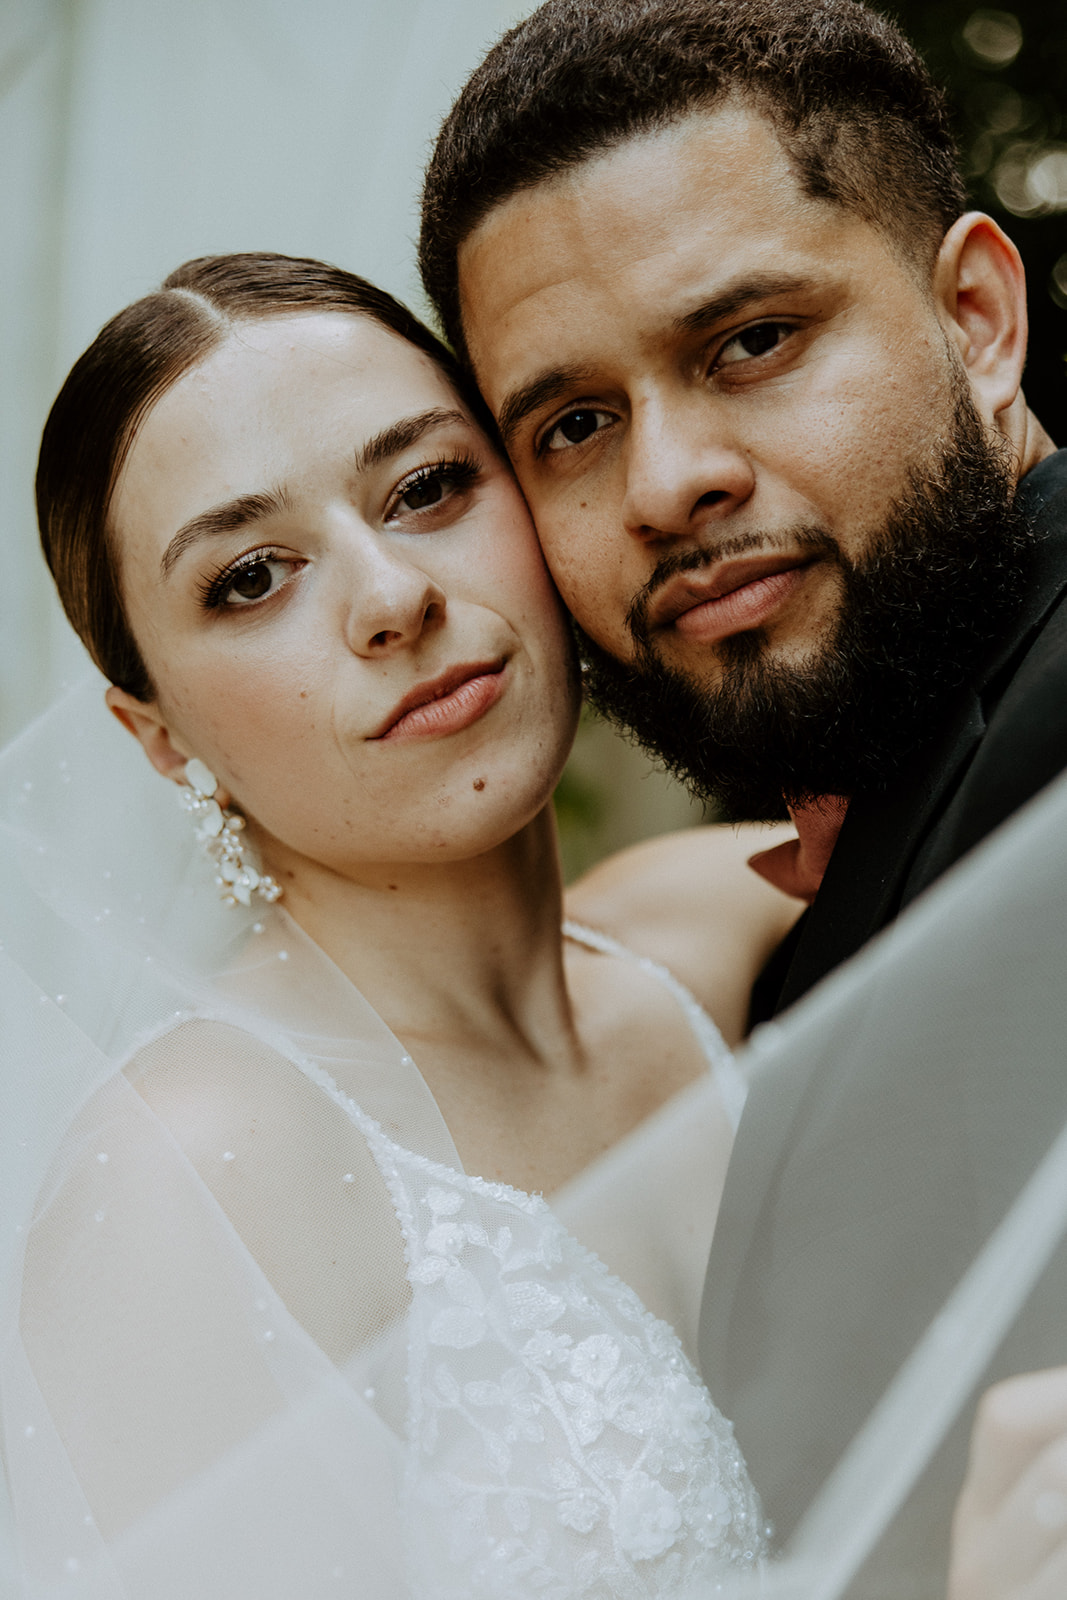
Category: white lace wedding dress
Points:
column 300, row 1353
column 559, row 1441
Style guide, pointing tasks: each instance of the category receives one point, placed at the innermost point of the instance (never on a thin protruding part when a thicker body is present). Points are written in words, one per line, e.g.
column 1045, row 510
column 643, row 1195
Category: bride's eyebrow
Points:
column 401, row 435
column 246, row 508
column 221, row 519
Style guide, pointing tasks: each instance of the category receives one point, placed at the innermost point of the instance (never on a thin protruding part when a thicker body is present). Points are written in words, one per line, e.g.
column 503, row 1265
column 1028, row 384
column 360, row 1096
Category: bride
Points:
column 289, row 1313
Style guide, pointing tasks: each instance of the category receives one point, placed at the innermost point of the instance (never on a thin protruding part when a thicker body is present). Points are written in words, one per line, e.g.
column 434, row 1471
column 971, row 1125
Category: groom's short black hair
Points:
column 851, row 101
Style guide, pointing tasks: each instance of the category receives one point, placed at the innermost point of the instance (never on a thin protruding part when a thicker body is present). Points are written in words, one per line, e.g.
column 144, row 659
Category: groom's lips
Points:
column 727, row 597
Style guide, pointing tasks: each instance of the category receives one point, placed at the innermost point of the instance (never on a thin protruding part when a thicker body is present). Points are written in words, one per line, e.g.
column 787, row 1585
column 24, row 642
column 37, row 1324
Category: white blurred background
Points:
column 135, row 134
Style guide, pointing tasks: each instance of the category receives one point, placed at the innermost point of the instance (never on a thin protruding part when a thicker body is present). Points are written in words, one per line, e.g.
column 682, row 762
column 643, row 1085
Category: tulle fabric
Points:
column 171, row 1427
column 189, row 1405
column 210, row 1365
column 952, row 1022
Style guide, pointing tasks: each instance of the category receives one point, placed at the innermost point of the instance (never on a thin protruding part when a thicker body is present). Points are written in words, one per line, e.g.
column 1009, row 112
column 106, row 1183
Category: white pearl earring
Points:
column 219, row 831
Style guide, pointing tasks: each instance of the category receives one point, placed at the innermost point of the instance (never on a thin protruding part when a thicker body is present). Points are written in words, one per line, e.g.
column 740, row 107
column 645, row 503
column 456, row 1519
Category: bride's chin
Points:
column 450, row 830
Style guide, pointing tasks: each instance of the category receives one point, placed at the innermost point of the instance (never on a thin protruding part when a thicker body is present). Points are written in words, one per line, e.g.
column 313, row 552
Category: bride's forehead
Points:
column 286, row 389
column 330, row 354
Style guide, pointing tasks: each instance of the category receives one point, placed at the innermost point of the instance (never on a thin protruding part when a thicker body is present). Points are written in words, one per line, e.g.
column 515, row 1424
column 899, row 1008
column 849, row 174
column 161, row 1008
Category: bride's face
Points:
column 338, row 594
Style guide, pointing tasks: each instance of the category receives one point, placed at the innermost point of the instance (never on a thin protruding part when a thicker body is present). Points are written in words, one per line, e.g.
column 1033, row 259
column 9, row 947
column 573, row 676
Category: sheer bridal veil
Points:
column 170, row 1426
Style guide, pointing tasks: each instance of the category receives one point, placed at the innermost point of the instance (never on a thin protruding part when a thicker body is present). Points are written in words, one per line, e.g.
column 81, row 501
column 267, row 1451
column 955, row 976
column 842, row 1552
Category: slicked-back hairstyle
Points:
column 129, row 365
column 852, row 103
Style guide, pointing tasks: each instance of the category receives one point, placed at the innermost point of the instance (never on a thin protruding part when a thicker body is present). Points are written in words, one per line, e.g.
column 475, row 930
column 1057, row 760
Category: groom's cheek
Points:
column 587, row 560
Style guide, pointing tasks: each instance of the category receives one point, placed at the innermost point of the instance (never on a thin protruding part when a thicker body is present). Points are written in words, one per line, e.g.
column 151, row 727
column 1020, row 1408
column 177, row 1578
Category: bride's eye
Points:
column 758, row 340
column 427, row 491
column 433, row 485
column 242, row 583
column 575, row 428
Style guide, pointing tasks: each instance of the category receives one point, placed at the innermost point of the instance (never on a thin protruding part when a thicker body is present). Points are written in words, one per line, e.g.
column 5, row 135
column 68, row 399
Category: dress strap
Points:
column 720, row 1058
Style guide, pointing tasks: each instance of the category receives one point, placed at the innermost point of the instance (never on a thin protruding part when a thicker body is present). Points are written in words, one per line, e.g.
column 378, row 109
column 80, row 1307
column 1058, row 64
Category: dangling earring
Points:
column 220, row 832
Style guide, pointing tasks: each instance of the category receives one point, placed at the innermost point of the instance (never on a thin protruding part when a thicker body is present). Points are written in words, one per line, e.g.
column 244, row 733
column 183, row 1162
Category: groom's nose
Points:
column 684, row 468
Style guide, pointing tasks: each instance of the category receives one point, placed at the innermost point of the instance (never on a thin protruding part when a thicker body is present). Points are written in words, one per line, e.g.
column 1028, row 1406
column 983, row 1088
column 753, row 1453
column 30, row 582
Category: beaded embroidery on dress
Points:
column 560, row 1443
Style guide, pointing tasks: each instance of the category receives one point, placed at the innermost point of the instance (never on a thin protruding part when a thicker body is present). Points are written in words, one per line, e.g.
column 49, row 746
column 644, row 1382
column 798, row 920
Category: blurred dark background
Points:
column 1006, row 76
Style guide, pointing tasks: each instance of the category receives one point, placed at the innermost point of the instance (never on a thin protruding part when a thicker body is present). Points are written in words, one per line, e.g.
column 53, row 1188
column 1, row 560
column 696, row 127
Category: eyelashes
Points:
column 583, row 421
column 418, row 503
column 215, row 590
column 460, row 471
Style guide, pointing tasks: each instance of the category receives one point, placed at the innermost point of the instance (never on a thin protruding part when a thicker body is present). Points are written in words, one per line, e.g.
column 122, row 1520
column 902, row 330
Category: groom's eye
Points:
column 755, row 341
column 575, row 428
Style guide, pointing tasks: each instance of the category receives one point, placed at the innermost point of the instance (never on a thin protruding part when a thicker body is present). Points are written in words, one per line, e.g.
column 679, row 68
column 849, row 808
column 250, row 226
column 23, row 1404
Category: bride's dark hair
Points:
column 131, row 362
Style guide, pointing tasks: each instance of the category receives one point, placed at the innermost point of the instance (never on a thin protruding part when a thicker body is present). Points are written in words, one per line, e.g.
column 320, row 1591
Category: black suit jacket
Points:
column 868, row 1172
column 1002, row 740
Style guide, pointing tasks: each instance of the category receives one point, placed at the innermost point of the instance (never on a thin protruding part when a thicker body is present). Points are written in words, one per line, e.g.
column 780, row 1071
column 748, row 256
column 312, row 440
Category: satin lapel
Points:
column 863, row 883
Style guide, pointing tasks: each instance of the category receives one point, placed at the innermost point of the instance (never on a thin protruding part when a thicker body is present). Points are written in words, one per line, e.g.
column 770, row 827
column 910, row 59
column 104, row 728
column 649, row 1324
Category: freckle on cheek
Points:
column 479, row 784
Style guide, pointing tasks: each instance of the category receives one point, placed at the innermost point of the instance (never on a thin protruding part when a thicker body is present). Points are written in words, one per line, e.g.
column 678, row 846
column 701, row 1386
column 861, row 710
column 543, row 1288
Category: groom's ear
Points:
column 145, row 721
column 980, row 291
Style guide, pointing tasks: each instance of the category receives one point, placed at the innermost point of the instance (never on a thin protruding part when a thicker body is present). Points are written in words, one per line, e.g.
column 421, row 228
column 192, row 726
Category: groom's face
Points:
column 712, row 388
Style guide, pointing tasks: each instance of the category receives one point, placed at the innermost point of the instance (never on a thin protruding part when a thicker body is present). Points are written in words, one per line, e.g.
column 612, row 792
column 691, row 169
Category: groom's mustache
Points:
column 808, row 540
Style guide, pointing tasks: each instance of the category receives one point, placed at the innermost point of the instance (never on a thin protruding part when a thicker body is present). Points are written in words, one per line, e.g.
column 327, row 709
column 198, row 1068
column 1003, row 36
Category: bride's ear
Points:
column 144, row 720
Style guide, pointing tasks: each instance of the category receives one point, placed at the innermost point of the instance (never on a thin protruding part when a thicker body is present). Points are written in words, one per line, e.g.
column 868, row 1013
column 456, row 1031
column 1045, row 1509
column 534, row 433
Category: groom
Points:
column 759, row 376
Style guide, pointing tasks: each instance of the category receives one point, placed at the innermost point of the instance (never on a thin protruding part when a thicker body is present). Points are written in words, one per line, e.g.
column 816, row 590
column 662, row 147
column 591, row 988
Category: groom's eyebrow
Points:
column 540, row 391
column 733, row 299
column 739, row 297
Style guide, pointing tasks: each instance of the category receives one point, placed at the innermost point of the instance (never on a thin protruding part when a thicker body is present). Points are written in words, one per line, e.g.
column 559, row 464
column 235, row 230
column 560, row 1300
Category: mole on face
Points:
column 479, row 784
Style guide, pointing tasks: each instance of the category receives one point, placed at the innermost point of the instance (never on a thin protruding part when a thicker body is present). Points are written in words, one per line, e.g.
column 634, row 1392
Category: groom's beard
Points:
column 918, row 611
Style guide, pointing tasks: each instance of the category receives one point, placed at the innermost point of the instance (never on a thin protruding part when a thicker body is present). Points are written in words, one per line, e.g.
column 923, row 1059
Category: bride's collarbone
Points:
column 260, row 1132
column 536, row 1122
column 271, row 1145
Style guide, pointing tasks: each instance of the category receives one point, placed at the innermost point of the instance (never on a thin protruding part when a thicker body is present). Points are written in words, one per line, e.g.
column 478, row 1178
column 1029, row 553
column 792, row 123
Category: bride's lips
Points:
column 728, row 597
column 445, row 704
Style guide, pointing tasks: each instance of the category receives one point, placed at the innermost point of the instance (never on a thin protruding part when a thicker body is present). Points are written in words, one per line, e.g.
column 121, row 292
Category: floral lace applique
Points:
column 560, row 1443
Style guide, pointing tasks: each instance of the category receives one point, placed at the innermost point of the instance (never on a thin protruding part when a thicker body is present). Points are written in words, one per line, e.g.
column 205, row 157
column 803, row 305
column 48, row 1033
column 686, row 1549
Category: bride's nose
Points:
column 392, row 601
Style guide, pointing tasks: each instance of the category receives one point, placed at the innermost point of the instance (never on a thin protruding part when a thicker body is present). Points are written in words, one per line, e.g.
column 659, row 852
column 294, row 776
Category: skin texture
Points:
column 685, row 351
column 423, row 863
column 1011, row 1519
column 370, row 598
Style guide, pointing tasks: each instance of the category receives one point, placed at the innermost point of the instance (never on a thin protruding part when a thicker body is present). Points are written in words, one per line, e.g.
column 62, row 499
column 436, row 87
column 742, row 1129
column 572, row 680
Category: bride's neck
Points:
column 465, row 953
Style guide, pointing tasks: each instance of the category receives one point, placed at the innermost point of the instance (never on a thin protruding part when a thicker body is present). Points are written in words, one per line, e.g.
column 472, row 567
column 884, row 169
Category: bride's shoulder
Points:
column 690, row 901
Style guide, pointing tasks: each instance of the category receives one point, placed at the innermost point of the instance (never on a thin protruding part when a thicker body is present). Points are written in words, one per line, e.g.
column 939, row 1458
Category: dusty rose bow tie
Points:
column 797, row 866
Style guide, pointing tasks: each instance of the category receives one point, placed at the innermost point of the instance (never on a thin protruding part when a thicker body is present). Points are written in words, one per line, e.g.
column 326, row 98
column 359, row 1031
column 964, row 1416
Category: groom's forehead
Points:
column 646, row 234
